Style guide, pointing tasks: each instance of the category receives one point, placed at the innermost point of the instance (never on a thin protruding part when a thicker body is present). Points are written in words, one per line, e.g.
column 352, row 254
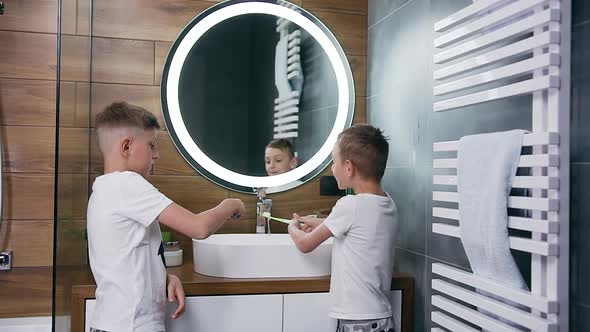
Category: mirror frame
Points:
column 178, row 132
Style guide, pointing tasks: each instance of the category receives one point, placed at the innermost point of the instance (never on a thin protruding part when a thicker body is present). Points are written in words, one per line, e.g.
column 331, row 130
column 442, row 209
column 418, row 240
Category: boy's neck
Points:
column 368, row 187
column 113, row 166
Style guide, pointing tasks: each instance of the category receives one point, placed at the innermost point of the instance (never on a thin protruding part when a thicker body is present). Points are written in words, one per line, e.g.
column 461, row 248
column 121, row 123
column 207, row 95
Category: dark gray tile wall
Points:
column 399, row 89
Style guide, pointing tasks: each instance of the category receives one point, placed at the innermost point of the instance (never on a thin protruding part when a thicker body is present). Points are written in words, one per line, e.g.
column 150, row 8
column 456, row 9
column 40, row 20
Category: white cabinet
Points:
column 229, row 313
column 396, row 307
column 307, row 312
column 88, row 315
column 256, row 313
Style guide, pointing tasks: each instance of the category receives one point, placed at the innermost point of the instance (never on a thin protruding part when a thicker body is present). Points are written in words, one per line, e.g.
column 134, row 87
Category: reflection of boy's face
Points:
column 277, row 161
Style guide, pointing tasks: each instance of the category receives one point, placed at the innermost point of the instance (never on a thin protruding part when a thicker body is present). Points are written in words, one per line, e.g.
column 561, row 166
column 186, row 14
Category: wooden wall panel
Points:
column 345, row 6
column 194, row 193
column 72, row 196
column 147, row 97
column 69, row 13
column 67, row 104
column 29, row 149
column 28, row 45
column 30, row 15
column 28, row 55
column 144, row 19
column 360, row 110
column 170, row 161
column 122, row 61
column 75, row 58
column 349, row 29
column 31, row 241
column 162, row 49
column 28, row 196
column 74, row 107
column 73, row 150
column 26, row 292
column 27, row 102
column 72, row 249
column 76, row 17
column 358, row 66
column 96, row 162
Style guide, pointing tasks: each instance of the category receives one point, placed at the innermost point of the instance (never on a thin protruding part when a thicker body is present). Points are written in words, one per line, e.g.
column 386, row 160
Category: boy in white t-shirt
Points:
column 363, row 226
column 124, row 239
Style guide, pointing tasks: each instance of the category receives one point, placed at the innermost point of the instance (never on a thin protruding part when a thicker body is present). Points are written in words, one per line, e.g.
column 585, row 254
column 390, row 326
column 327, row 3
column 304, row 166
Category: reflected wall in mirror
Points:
column 246, row 73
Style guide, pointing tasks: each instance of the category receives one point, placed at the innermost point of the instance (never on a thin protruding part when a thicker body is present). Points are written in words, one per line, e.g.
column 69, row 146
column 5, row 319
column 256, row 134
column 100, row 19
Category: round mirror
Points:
column 255, row 93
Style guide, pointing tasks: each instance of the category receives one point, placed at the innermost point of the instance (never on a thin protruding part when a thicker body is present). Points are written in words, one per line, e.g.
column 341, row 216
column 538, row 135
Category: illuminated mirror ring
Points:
column 171, row 104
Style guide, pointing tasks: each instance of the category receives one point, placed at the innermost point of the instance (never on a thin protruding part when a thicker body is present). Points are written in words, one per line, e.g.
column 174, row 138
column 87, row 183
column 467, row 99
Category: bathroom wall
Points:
column 122, row 61
column 28, row 58
column 399, row 100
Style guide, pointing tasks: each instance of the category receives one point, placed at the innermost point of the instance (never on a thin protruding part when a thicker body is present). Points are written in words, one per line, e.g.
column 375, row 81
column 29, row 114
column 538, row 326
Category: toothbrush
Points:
column 284, row 221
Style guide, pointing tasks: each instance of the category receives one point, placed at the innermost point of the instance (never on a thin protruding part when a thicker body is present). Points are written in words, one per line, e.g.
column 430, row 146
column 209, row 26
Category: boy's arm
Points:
column 307, row 242
column 200, row 226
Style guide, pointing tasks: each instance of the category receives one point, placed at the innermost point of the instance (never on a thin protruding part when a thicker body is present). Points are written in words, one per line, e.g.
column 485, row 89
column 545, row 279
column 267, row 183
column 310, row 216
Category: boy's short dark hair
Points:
column 283, row 145
column 121, row 114
column 367, row 148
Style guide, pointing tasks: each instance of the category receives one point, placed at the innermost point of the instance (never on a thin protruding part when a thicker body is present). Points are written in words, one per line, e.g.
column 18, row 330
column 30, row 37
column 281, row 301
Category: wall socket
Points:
column 5, row 260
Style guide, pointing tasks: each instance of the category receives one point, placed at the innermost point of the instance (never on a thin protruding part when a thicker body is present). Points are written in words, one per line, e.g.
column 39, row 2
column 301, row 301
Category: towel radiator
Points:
column 527, row 43
column 288, row 78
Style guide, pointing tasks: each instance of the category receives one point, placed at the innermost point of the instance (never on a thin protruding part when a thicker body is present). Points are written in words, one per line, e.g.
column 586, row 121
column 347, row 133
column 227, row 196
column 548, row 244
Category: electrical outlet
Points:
column 5, row 260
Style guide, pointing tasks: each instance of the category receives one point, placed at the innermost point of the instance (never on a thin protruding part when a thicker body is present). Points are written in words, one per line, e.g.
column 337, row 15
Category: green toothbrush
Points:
column 284, row 221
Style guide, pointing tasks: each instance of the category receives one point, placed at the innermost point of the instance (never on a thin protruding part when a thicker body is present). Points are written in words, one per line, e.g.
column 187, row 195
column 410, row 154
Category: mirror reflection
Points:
column 258, row 94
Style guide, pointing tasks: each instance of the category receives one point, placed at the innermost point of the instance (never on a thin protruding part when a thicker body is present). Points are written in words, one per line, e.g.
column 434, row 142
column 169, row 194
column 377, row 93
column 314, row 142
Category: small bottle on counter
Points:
column 172, row 253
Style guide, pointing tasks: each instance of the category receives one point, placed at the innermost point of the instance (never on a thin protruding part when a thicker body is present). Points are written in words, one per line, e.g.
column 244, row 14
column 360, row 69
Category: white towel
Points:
column 487, row 164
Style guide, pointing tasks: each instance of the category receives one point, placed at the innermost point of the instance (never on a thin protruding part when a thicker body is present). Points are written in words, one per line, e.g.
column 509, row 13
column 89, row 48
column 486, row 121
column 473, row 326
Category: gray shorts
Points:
column 372, row 325
column 95, row 330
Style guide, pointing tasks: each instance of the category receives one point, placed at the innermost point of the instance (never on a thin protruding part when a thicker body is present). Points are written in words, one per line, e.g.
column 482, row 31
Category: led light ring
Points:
column 175, row 115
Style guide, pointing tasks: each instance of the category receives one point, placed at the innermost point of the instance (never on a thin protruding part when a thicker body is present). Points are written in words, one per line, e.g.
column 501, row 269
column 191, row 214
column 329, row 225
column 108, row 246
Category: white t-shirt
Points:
column 124, row 240
column 364, row 226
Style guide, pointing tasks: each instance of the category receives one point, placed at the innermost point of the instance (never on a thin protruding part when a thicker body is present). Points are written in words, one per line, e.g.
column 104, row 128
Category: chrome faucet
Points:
column 263, row 204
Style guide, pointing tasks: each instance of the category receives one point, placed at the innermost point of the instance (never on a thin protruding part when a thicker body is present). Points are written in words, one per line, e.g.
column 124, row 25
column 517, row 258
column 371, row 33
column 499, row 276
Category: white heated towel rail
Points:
column 288, row 78
column 490, row 50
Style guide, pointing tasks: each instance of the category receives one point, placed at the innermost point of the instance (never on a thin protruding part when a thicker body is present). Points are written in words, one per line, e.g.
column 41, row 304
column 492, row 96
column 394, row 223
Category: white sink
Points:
column 259, row 256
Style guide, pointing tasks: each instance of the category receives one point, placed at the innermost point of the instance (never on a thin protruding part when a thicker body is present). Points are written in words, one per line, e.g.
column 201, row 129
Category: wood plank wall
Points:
column 121, row 61
column 28, row 62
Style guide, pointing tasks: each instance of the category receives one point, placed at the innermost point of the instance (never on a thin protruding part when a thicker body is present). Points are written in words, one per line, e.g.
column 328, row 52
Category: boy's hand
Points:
column 294, row 224
column 176, row 293
column 234, row 207
column 310, row 222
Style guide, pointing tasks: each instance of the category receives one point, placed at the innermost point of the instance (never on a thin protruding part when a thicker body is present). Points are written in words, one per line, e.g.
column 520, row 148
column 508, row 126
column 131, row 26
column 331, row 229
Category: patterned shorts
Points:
column 373, row 325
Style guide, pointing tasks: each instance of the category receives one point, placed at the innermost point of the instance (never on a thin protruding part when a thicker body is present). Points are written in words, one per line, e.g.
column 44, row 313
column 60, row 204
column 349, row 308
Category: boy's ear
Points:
column 294, row 162
column 350, row 168
column 125, row 146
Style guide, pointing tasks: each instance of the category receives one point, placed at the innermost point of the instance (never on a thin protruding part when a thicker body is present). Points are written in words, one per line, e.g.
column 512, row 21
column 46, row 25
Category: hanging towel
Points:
column 487, row 164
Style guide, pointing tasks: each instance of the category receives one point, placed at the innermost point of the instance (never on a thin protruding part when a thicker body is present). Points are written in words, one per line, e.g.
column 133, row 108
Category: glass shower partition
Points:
column 73, row 139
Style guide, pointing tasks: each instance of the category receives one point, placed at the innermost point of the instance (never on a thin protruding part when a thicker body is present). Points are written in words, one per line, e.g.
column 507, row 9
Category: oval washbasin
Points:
column 259, row 256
